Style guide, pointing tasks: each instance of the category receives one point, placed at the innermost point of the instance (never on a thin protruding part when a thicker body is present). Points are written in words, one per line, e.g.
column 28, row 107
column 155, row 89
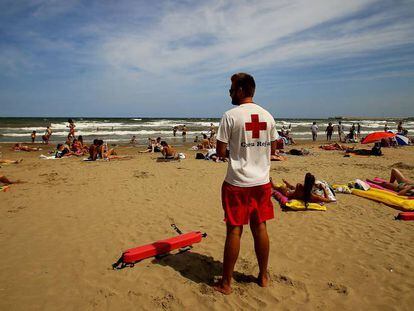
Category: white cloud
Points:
column 256, row 35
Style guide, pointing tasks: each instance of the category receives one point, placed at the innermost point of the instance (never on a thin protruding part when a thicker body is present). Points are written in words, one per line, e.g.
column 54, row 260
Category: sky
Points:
column 310, row 59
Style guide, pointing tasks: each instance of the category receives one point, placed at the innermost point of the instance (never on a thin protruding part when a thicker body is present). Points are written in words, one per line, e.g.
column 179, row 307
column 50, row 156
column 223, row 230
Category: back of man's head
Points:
column 245, row 82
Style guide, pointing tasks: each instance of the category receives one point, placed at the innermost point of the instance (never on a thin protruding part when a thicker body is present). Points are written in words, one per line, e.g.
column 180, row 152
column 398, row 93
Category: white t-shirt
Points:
column 248, row 130
column 314, row 128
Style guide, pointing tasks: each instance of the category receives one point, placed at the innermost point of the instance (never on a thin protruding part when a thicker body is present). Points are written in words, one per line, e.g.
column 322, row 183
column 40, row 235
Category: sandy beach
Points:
column 62, row 229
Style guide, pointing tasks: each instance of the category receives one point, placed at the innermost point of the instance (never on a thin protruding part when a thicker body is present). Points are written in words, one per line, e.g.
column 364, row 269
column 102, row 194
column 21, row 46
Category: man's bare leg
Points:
column 231, row 252
column 261, row 247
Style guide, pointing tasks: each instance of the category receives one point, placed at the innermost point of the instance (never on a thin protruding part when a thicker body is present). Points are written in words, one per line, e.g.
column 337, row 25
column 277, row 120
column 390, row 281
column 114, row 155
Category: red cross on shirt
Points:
column 255, row 126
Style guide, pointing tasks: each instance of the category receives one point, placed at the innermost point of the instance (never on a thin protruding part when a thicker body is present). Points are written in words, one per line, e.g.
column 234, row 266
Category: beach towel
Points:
column 329, row 192
column 341, row 189
column 296, row 205
column 42, row 156
column 373, row 185
column 386, row 197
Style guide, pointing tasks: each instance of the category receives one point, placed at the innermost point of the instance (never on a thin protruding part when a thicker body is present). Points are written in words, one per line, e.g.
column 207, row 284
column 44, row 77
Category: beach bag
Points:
column 199, row 156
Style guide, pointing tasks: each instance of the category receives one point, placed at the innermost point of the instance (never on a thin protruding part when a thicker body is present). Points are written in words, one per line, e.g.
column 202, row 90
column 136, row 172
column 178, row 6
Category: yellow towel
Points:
column 386, row 197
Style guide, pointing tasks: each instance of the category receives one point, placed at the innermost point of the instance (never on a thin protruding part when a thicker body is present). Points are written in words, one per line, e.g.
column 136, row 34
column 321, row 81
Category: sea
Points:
column 120, row 130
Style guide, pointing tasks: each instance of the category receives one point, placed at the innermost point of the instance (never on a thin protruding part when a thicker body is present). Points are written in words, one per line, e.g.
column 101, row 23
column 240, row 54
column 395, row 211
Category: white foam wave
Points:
column 107, row 133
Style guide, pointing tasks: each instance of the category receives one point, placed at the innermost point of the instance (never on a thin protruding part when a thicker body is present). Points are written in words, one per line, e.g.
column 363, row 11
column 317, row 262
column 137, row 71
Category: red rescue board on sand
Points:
column 405, row 216
column 161, row 247
column 158, row 248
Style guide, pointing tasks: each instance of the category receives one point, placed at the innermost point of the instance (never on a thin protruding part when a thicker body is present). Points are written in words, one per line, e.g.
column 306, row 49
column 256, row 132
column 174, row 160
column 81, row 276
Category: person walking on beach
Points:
column 249, row 131
column 314, row 129
column 71, row 127
column 329, row 130
column 358, row 130
column 340, row 131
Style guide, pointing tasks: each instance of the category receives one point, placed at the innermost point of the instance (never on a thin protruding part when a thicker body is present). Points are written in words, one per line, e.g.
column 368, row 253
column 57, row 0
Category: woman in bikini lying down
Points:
column 398, row 182
column 303, row 191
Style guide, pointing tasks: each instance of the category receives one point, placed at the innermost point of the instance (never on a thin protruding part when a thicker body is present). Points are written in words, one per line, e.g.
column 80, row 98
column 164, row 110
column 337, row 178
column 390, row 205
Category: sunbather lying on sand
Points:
column 303, row 191
column 398, row 182
column 5, row 161
column 297, row 152
column 334, row 146
column 5, row 181
column 375, row 151
column 21, row 147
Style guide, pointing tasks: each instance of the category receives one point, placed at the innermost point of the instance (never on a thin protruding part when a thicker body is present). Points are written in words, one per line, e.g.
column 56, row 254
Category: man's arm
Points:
column 221, row 149
column 273, row 146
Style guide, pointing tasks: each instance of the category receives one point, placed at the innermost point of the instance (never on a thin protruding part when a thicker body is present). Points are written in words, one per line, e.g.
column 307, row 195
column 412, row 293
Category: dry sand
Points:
column 61, row 231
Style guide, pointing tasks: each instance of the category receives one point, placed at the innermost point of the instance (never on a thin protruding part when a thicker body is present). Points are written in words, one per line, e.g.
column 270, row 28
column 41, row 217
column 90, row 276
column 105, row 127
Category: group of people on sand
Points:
column 159, row 145
column 353, row 136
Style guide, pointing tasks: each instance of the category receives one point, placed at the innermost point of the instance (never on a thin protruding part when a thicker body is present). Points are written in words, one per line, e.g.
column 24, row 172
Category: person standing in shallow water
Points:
column 33, row 136
column 329, row 130
column 250, row 133
column 314, row 129
column 340, row 131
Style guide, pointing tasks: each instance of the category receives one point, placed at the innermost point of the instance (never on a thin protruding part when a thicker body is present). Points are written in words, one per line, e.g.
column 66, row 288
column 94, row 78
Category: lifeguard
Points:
column 249, row 133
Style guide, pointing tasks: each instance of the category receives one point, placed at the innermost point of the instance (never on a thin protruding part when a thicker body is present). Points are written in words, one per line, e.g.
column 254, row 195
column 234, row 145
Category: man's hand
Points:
column 221, row 149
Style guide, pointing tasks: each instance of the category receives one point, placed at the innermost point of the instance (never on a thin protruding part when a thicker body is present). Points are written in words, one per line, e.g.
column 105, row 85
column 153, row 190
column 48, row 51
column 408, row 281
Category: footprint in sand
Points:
column 339, row 288
column 18, row 209
column 142, row 174
column 164, row 302
column 285, row 280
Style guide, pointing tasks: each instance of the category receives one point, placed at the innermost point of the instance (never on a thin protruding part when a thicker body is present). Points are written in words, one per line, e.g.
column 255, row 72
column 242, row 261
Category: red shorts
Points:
column 244, row 204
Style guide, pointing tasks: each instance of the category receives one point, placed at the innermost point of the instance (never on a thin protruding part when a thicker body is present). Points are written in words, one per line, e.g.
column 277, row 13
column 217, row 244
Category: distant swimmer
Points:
column 133, row 140
column 33, row 136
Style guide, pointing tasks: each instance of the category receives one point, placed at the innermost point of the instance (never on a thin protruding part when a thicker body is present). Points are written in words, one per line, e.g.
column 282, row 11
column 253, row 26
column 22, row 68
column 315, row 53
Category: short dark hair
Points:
column 164, row 143
column 245, row 82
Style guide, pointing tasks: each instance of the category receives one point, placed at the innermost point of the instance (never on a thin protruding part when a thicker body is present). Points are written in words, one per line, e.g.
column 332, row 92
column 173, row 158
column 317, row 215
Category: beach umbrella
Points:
column 376, row 136
column 402, row 140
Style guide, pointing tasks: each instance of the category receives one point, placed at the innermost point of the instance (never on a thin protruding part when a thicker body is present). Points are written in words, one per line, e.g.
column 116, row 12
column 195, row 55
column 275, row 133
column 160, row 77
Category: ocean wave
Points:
column 108, row 133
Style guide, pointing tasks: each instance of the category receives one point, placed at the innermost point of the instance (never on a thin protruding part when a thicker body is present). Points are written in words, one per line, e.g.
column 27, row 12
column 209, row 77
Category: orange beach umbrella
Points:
column 376, row 136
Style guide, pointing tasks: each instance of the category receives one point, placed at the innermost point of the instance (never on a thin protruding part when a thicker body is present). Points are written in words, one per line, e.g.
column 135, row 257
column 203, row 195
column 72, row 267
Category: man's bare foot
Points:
column 263, row 280
column 222, row 288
